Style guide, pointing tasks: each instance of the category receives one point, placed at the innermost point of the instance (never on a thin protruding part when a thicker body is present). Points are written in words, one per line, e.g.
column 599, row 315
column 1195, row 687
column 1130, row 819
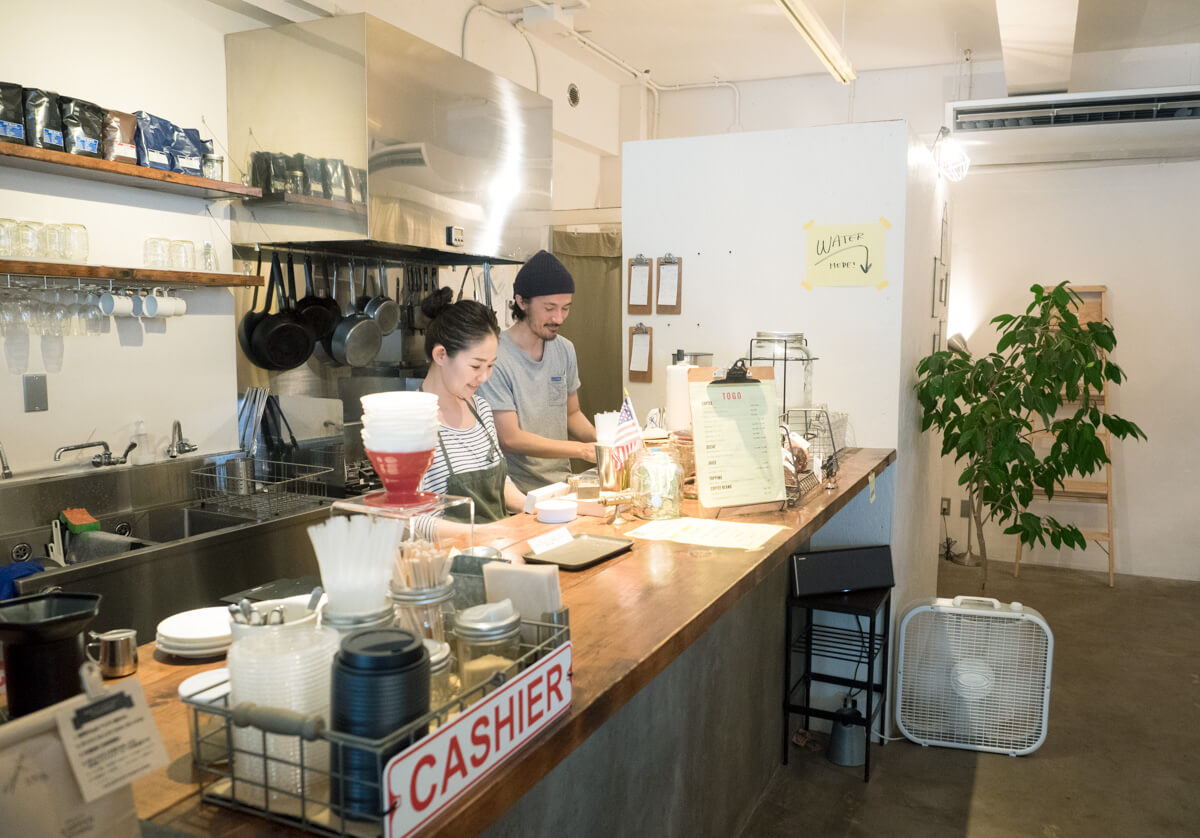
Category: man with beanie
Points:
column 533, row 387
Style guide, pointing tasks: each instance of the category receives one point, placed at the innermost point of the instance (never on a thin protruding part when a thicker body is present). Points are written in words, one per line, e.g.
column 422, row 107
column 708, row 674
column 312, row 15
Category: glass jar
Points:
column 212, row 166
column 8, row 238
column 443, row 683
column 793, row 383
column 425, row 611
column 489, row 641
column 656, row 480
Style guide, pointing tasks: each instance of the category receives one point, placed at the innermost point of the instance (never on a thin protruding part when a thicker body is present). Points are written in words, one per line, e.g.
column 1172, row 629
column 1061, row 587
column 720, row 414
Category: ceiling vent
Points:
column 1079, row 127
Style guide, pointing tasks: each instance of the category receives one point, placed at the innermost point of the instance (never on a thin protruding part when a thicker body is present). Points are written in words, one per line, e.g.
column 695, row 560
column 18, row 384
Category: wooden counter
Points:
column 631, row 616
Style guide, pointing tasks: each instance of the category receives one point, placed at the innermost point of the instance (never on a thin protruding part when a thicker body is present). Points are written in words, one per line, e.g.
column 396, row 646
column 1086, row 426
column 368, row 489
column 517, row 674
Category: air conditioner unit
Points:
column 1073, row 127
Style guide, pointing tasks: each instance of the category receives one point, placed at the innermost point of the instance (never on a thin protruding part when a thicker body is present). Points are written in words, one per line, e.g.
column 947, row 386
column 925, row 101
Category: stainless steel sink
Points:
column 173, row 523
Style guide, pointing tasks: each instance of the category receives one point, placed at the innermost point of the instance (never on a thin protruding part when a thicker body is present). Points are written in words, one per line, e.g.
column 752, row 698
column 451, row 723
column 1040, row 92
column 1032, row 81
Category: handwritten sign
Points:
column 845, row 254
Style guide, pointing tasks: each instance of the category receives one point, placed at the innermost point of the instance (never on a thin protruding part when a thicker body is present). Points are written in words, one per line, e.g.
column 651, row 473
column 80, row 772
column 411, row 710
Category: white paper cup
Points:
column 116, row 305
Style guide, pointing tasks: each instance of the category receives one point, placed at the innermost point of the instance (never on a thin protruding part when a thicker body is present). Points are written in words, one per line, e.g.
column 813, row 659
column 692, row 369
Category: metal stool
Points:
column 843, row 644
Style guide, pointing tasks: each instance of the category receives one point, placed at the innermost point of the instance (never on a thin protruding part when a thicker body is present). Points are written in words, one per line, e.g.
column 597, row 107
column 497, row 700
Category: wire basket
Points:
column 262, row 488
column 317, row 760
column 820, row 429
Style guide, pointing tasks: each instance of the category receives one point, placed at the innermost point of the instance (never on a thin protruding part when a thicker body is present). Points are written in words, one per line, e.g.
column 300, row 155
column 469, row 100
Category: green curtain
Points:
column 594, row 260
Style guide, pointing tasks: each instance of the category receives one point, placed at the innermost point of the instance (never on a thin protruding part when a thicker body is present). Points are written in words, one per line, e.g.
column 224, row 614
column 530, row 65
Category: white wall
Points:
column 100, row 385
column 733, row 206
column 1129, row 228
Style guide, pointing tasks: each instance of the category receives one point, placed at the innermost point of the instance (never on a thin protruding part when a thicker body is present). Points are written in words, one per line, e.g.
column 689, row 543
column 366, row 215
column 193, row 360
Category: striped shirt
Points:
column 471, row 449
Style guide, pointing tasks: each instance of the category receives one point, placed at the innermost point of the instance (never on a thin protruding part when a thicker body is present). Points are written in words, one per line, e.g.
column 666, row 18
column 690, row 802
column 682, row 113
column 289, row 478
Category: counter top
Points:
column 631, row 616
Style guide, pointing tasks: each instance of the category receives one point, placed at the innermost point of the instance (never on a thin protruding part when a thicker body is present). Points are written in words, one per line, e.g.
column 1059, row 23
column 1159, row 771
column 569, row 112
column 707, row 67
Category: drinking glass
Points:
column 29, row 240
column 208, row 259
column 76, row 244
column 53, row 240
column 182, row 255
column 8, row 238
column 154, row 253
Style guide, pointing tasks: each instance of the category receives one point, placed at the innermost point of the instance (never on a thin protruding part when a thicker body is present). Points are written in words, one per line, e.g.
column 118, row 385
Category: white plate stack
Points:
column 200, row 633
column 399, row 421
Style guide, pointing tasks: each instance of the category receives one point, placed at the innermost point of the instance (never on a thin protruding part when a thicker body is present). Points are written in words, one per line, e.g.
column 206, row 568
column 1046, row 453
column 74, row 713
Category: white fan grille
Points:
column 974, row 681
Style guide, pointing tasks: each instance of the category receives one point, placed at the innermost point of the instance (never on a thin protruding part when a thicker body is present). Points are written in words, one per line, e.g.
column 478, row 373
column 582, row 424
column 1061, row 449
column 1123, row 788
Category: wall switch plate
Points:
column 964, row 509
column 945, row 506
column 35, row 393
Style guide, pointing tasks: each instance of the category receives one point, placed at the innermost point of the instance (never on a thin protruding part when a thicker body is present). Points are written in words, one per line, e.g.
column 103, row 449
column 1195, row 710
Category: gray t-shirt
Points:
column 537, row 391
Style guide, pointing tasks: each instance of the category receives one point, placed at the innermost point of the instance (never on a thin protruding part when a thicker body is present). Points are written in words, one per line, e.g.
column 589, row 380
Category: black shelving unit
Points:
column 867, row 647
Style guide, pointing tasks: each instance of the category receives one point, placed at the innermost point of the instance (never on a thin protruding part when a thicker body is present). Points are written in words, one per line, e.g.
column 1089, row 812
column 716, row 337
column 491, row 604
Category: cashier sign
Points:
column 423, row 780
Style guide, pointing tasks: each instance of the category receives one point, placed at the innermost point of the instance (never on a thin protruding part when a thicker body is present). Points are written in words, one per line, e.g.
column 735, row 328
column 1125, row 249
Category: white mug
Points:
column 116, row 305
column 157, row 304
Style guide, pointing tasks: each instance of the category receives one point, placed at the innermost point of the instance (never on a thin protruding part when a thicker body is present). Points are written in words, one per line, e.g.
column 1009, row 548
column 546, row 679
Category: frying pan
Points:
column 379, row 307
column 356, row 338
column 384, row 309
column 252, row 318
column 324, row 346
column 318, row 313
column 280, row 340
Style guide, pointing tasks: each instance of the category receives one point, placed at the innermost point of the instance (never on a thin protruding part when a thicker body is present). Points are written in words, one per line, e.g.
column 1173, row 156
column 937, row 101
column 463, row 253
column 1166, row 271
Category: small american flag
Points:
column 628, row 437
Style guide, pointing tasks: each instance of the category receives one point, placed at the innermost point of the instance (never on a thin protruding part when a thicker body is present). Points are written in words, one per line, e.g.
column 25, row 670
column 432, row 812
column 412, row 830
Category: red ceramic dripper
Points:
column 401, row 473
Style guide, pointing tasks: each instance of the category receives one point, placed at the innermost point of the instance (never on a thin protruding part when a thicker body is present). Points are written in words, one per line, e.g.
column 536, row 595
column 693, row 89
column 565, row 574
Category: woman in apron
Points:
column 460, row 343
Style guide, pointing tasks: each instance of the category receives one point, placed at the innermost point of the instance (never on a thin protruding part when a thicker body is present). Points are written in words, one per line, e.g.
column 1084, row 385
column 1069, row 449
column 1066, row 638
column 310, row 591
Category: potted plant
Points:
column 1043, row 378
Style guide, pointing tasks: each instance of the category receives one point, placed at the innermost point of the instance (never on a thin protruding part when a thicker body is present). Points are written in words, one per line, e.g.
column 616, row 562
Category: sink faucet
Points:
column 5, row 471
column 178, row 445
column 104, row 459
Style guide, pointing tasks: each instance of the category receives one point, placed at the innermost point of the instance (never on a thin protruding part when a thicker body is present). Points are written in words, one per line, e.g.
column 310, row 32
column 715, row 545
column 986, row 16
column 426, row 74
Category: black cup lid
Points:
column 381, row 649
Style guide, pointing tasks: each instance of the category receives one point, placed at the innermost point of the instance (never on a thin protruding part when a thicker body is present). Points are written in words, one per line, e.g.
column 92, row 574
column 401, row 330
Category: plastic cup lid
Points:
column 381, row 649
column 487, row 620
column 438, row 652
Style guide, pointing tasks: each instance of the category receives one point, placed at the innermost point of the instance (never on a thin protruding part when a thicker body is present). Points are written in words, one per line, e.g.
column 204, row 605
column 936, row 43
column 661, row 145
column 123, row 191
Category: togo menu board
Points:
column 736, row 433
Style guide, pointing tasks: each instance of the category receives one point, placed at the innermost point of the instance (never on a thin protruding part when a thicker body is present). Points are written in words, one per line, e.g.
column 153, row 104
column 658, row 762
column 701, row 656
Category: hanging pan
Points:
column 252, row 318
column 356, row 339
column 280, row 340
column 317, row 312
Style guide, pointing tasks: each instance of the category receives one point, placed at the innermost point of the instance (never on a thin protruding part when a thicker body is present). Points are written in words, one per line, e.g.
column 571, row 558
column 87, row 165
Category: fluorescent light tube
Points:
column 819, row 38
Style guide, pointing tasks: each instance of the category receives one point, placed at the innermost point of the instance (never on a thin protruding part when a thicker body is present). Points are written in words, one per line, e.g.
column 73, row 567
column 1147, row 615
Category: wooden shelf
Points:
column 125, row 174
column 311, row 203
column 128, row 276
column 1082, row 491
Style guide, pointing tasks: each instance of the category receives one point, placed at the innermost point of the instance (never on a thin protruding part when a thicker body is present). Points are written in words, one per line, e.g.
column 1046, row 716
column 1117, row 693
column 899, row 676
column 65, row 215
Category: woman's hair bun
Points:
column 437, row 302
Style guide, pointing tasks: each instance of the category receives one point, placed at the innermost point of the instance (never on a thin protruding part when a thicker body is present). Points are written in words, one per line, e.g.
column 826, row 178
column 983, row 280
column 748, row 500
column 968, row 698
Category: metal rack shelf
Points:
column 836, row 643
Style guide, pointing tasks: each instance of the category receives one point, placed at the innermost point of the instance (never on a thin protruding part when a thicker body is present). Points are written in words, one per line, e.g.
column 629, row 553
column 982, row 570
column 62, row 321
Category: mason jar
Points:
column 489, row 641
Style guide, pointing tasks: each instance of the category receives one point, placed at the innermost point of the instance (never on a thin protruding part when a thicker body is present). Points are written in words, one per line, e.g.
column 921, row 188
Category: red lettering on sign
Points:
column 535, row 697
column 553, row 682
column 480, row 741
column 502, row 722
column 454, row 763
column 419, row 803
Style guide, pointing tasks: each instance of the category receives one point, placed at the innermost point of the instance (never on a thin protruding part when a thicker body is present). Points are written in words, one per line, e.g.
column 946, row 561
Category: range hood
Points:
column 458, row 159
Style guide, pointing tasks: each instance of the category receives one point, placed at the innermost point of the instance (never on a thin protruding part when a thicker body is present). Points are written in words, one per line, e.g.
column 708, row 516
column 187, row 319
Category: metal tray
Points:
column 584, row 551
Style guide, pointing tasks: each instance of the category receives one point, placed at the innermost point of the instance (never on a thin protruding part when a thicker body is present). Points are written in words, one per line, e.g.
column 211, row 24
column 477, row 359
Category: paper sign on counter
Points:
column 639, row 355
column 708, row 533
column 548, row 541
column 112, row 741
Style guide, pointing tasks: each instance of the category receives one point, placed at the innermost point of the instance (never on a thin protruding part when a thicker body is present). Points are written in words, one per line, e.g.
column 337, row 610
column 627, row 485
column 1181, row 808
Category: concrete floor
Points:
column 1122, row 754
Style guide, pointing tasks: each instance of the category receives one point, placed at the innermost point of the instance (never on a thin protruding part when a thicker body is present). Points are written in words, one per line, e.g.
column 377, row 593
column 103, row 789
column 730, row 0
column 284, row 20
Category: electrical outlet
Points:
column 964, row 509
column 945, row 506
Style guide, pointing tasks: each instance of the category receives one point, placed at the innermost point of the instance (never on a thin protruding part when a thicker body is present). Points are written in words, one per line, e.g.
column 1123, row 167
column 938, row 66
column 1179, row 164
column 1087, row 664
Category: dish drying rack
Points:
column 820, row 428
column 311, row 810
column 258, row 487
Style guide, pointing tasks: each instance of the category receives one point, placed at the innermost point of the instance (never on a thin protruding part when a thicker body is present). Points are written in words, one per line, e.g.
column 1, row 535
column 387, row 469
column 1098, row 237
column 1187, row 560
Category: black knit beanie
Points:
column 541, row 276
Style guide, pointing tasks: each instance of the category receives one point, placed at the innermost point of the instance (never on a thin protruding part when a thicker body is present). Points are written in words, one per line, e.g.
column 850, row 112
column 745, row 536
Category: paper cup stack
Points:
column 399, row 435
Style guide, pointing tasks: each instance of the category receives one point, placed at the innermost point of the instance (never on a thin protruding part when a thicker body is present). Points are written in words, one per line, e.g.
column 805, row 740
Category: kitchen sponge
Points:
column 78, row 520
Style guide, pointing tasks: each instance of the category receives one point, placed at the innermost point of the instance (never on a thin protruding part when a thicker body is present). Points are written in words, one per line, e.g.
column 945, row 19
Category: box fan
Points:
column 974, row 673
